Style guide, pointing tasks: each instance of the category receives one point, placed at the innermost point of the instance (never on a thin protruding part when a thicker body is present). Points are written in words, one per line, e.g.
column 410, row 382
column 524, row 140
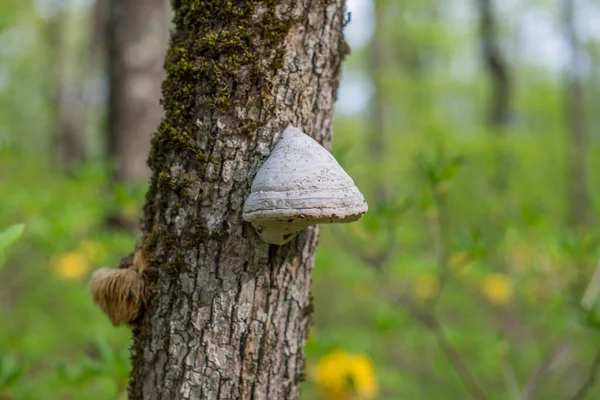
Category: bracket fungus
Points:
column 300, row 184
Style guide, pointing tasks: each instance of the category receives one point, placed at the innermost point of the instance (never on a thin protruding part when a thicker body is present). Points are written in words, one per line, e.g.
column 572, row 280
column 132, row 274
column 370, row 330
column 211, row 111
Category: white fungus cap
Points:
column 300, row 184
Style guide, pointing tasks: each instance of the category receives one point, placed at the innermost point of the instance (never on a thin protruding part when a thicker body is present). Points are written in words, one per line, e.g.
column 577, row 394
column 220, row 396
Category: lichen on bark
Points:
column 228, row 316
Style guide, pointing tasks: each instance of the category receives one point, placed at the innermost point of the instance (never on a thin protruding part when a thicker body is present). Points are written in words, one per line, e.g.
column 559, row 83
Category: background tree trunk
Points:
column 136, row 39
column 578, row 192
column 497, row 67
column 230, row 313
column 67, row 96
column 500, row 94
column 377, row 110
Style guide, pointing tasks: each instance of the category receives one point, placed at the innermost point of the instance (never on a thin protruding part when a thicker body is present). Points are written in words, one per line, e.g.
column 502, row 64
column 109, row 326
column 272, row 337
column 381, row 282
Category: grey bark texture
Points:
column 136, row 38
column 229, row 314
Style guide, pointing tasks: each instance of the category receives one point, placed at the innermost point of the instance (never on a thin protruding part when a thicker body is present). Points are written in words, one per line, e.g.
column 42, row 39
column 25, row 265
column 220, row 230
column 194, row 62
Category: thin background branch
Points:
column 591, row 379
column 543, row 370
column 450, row 351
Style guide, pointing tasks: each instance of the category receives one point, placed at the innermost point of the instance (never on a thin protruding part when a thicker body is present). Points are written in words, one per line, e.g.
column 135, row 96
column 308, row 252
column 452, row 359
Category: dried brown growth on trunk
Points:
column 121, row 292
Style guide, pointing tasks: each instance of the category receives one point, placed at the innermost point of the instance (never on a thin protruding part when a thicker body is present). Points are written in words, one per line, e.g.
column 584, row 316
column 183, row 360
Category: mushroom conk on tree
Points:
column 300, row 184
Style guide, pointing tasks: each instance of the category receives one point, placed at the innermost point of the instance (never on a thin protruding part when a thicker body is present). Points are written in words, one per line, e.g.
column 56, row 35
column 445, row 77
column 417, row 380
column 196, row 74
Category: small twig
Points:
column 542, row 371
column 421, row 315
column 439, row 237
column 375, row 261
column 512, row 384
column 591, row 379
column 450, row 351
column 591, row 293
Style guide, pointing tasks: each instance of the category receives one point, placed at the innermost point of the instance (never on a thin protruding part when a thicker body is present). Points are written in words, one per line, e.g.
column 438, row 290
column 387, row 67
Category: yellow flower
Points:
column 427, row 286
column 91, row 249
column 343, row 376
column 497, row 288
column 71, row 265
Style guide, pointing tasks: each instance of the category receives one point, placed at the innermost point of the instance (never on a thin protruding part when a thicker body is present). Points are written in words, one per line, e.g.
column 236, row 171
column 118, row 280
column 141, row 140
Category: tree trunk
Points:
column 376, row 71
column 66, row 98
column 499, row 108
column 136, row 38
column 578, row 196
column 499, row 100
column 229, row 313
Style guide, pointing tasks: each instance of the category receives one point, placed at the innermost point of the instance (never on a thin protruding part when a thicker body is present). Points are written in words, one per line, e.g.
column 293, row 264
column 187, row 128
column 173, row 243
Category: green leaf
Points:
column 4, row 22
column 10, row 236
column 107, row 354
column 589, row 317
column 10, row 371
column 68, row 374
column 91, row 366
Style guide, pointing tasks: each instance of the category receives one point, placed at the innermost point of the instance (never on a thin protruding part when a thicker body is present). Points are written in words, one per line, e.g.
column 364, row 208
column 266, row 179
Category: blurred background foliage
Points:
column 471, row 127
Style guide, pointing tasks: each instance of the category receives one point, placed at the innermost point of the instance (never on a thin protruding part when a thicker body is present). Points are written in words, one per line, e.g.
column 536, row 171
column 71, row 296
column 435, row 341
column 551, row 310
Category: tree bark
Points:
column 578, row 192
column 229, row 314
column 136, row 38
